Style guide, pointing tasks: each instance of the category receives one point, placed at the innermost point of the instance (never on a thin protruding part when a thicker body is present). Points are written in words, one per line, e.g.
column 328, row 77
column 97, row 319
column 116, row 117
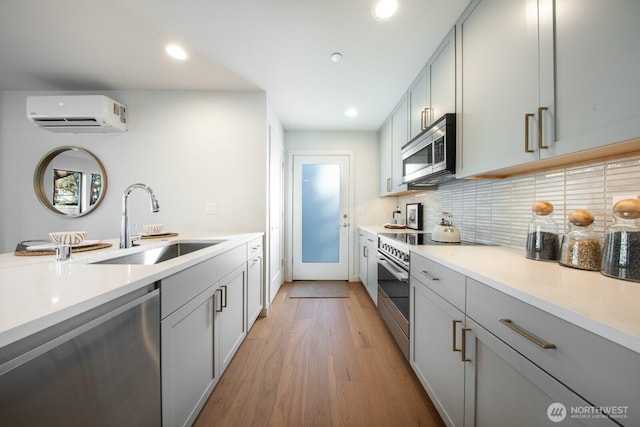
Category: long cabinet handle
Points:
column 455, row 322
column 224, row 304
column 423, row 119
column 429, row 275
column 540, row 110
column 526, row 132
column 219, row 308
column 388, row 184
column 463, row 355
column 526, row 334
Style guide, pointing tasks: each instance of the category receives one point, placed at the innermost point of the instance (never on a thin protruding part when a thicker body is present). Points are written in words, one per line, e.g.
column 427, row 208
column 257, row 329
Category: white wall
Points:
column 190, row 147
column 369, row 209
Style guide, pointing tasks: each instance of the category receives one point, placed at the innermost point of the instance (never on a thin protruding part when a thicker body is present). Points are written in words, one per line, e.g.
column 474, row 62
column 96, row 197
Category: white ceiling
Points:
column 280, row 46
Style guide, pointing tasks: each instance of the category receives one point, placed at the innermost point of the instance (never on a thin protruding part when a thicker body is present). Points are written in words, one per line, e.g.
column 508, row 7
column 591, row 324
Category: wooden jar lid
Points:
column 581, row 218
column 627, row 208
column 542, row 207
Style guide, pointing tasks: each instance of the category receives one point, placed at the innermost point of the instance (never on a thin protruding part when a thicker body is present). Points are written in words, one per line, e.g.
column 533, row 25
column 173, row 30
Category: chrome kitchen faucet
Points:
column 125, row 232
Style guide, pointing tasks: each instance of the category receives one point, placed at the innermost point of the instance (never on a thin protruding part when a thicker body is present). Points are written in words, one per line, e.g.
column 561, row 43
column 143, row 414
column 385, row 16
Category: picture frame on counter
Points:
column 414, row 216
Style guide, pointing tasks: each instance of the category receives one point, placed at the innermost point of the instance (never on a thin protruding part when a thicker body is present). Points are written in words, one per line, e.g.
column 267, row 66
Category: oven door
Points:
column 393, row 300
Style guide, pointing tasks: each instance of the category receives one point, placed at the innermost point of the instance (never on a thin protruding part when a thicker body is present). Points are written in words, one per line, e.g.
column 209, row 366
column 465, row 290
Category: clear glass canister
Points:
column 621, row 256
column 543, row 242
column 581, row 245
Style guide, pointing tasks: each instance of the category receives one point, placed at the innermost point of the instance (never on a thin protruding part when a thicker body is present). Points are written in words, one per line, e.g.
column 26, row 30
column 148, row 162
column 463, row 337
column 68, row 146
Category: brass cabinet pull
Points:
column 455, row 322
column 526, row 132
column 463, row 355
column 224, row 304
column 220, row 309
column 526, row 334
column 426, row 273
column 427, row 117
column 540, row 110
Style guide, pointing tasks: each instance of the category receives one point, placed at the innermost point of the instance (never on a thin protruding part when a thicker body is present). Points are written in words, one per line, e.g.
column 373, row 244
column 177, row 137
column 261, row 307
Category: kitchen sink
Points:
column 161, row 254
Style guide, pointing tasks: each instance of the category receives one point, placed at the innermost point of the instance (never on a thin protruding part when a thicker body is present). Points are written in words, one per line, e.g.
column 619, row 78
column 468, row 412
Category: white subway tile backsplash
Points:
column 498, row 211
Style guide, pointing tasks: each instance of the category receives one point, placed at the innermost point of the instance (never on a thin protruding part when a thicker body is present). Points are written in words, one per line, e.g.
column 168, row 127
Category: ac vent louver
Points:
column 77, row 113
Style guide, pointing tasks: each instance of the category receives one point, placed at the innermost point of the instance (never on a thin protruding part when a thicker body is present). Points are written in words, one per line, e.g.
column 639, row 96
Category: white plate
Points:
column 52, row 246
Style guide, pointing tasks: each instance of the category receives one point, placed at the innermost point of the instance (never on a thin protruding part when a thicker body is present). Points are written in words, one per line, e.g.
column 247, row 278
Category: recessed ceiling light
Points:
column 175, row 51
column 336, row 56
column 384, row 9
column 351, row 112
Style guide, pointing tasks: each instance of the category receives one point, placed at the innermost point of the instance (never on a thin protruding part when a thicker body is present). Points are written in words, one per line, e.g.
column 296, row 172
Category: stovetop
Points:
column 422, row 238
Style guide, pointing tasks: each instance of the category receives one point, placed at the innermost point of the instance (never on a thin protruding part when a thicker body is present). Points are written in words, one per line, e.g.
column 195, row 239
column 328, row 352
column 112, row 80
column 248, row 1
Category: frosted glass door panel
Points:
column 321, row 213
column 320, row 217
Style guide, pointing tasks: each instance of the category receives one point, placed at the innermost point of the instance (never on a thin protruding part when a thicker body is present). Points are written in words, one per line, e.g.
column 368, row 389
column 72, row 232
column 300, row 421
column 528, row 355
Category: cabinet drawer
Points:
column 254, row 248
column 602, row 372
column 179, row 288
column 445, row 282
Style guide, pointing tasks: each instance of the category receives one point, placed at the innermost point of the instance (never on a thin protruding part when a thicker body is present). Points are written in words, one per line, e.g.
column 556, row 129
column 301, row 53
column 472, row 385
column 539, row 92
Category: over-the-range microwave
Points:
column 430, row 157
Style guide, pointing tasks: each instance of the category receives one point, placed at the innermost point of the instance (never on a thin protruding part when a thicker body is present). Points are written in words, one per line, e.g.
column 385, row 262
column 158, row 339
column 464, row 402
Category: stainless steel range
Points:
column 394, row 260
column 393, row 288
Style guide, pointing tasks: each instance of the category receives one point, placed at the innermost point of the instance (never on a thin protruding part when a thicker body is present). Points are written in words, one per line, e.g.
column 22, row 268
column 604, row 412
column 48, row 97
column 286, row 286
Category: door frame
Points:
column 288, row 252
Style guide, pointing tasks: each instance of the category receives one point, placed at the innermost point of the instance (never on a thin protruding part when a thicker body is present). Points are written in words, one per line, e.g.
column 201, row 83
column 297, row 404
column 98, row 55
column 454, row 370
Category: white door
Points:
column 320, row 217
column 276, row 215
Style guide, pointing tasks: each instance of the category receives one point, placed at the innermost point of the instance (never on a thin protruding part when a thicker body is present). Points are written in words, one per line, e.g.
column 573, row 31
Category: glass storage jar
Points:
column 581, row 245
column 543, row 242
column 621, row 256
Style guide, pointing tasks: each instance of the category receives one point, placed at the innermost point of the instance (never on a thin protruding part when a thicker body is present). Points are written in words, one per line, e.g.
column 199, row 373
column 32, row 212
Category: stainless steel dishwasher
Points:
column 101, row 368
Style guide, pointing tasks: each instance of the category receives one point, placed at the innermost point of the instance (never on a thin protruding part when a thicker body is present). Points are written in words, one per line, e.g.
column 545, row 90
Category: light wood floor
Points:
column 319, row 362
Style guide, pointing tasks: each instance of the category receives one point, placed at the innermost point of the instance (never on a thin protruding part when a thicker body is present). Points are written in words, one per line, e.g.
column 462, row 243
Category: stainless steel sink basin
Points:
column 157, row 255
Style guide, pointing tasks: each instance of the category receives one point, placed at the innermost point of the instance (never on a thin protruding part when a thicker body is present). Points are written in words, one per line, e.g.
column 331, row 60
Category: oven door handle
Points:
column 395, row 271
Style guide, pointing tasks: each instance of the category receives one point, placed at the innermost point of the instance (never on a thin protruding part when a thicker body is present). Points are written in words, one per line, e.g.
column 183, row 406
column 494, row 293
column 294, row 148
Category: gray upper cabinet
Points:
column 384, row 135
column 419, row 107
column 539, row 82
column 433, row 93
column 596, row 71
column 393, row 135
column 441, row 87
column 499, row 85
column 400, row 136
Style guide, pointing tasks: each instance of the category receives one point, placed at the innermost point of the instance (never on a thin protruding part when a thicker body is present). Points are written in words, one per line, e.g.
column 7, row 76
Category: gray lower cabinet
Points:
column 488, row 359
column 362, row 257
column 602, row 372
column 203, row 323
column 435, row 325
column 372, row 266
column 230, row 315
column 504, row 388
column 368, row 262
column 255, row 294
column 189, row 365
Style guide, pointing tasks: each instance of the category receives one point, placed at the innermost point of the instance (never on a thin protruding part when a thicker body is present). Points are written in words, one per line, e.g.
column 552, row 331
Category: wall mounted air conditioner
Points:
column 77, row 113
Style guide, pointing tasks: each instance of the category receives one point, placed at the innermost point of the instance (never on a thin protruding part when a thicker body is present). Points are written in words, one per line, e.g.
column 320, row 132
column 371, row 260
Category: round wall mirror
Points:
column 70, row 181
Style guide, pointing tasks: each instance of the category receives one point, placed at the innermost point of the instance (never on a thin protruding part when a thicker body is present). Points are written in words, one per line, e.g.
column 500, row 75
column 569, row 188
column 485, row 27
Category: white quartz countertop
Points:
column 605, row 306
column 37, row 292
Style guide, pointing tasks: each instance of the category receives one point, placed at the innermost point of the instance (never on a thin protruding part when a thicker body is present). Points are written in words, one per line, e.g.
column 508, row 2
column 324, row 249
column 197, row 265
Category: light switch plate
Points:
column 211, row 208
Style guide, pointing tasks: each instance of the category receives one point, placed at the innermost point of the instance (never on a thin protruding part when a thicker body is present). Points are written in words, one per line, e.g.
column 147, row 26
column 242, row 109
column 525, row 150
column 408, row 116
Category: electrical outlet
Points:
column 211, row 208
